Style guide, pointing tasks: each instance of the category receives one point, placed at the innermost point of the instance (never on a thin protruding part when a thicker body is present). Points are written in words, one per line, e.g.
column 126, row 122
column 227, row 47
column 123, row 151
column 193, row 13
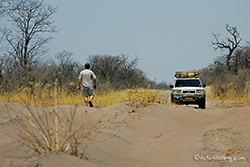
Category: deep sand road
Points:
column 152, row 136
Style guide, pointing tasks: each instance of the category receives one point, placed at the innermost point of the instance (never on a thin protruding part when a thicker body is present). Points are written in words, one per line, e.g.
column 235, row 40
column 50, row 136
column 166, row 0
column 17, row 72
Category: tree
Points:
column 241, row 59
column 66, row 70
column 230, row 43
column 28, row 19
column 117, row 71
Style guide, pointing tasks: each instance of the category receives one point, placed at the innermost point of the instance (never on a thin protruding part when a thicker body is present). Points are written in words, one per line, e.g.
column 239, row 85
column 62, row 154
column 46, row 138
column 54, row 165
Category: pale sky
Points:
column 165, row 35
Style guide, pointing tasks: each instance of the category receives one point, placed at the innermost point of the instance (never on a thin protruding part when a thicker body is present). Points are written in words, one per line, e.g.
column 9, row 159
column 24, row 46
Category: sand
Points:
column 147, row 136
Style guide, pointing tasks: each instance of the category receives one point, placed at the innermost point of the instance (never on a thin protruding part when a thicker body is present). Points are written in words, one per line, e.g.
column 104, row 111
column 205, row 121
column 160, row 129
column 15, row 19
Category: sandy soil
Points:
column 152, row 136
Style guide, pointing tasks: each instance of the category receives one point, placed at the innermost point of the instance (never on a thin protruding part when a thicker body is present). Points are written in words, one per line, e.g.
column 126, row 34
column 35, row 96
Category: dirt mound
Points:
column 155, row 135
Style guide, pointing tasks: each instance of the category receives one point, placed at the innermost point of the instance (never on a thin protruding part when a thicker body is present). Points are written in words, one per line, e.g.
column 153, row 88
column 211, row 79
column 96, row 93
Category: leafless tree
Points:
column 66, row 70
column 26, row 21
column 229, row 43
column 118, row 71
column 241, row 59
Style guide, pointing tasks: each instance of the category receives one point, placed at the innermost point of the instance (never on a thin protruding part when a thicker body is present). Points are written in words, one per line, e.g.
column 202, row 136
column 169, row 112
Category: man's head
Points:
column 87, row 66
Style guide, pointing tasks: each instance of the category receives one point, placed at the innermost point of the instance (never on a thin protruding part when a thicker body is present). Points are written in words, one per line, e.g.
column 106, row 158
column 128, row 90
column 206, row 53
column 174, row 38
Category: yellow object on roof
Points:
column 190, row 74
column 186, row 74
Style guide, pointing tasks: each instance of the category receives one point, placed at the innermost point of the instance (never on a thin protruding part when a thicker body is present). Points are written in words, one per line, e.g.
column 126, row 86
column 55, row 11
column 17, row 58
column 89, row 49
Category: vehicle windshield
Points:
column 188, row 83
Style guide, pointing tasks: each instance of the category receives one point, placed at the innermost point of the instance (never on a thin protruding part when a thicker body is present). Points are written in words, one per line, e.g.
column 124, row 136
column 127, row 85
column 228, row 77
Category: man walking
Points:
column 87, row 80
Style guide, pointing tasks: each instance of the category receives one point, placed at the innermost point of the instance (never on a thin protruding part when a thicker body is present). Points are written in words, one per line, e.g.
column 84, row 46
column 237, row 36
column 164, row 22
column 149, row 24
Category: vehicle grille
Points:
column 188, row 91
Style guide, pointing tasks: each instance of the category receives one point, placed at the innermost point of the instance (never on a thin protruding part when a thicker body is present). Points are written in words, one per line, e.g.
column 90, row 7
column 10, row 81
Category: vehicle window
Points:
column 188, row 83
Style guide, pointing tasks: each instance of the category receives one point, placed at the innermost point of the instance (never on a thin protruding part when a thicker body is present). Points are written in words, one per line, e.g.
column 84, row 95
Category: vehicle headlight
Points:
column 200, row 91
column 176, row 92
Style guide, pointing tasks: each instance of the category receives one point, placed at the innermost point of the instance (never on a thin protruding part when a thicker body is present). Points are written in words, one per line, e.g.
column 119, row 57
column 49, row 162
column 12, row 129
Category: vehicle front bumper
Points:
column 187, row 99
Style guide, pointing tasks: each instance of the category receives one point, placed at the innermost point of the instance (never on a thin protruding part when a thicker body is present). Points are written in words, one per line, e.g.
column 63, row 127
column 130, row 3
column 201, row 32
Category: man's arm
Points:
column 79, row 84
column 95, row 83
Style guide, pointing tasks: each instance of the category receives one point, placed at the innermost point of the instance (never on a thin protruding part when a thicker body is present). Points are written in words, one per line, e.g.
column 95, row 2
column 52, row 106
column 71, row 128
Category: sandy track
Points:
column 158, row 135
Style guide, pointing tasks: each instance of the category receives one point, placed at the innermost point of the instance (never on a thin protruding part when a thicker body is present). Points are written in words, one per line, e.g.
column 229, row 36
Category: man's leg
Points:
column 91, row 98
column 90, row 101
column 86, row 101
column 85, row 96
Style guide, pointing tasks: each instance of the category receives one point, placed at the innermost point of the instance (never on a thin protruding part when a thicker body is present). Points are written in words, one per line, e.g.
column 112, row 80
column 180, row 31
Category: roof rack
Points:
column 186, row 74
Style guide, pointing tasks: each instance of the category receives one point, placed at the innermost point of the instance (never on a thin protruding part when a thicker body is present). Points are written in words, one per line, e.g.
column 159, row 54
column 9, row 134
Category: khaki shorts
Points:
column 88, row 92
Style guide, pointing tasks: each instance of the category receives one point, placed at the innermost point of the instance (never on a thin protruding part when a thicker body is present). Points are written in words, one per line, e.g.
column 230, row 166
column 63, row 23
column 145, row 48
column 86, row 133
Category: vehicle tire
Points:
column 202, row 104
column 172, row 100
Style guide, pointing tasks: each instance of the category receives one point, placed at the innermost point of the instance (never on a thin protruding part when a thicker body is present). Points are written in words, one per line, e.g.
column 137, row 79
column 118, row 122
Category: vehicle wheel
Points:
column 172, row 100
column 202, row 104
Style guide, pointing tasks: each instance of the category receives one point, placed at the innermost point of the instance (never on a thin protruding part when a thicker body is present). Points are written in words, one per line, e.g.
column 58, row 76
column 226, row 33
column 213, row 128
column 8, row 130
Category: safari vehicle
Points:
column 188, row 89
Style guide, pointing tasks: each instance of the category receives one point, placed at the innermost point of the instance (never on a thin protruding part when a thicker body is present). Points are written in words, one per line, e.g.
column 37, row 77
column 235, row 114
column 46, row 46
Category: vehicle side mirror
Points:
column 204, row 85
column 171, row 86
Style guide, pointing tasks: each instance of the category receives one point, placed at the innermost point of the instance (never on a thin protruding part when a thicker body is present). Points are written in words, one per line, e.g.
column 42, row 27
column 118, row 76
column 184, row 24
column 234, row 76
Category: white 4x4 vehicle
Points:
column 188, row 89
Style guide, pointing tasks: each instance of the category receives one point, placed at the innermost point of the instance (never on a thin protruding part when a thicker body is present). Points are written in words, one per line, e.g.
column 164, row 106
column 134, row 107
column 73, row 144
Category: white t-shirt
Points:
column 87, row 76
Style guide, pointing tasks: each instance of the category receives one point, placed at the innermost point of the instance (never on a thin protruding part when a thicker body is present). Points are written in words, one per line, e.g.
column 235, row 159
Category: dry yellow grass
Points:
column 231, row 97
column 44, row 99
column 142, row 96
